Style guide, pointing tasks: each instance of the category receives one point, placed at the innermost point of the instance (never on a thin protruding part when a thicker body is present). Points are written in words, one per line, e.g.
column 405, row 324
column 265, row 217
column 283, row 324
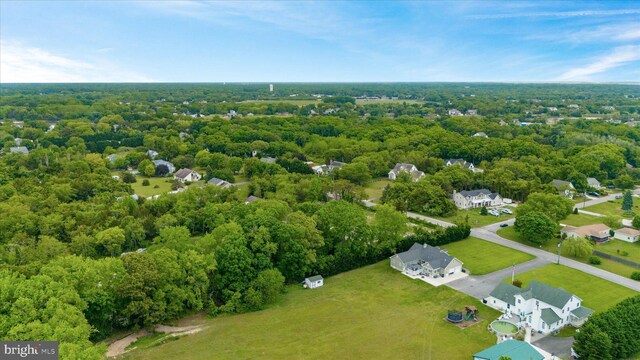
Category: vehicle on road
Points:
column 504, row 225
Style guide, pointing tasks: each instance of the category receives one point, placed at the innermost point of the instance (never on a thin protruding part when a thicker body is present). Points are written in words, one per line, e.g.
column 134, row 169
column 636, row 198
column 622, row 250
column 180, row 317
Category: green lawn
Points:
column 581, row 219
column 370, row 313
column 474, row 252
column 552, row 247
column 475, row 219
column 164, row 186
column 375, row 188
column 618, row 247
column 613, row 208
column 596, row 293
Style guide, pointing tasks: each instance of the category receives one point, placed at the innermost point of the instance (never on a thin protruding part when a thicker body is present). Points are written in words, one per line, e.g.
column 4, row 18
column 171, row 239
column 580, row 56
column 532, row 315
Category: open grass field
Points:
column 552, row 247
column 370, row 313
column 596, row 293
column 375, row 188
column 473, row 252
column 164, row 186
column 581, row 220
column 475, row 219
column 614, row 207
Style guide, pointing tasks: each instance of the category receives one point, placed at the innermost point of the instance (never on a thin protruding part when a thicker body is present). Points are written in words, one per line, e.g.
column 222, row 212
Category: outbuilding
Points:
column 314, row 282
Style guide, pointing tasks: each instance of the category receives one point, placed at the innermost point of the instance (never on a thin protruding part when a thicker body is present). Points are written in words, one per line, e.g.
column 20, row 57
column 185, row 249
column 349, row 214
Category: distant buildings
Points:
column 270, row 87
column 187, row 175
column 268, row 160
column 455, row 112
column 472, row 112
column 463, row 163
column 481, row 134
column 19, row 150
column 219, row 182
column 327, row 169
column 152, row 154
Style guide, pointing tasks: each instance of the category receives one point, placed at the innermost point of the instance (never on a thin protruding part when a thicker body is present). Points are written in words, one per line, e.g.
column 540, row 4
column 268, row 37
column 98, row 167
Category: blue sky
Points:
column 329, row 41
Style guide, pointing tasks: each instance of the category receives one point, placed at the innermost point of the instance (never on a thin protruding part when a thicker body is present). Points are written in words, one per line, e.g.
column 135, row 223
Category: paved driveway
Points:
column 479, row 286
column 557, row 346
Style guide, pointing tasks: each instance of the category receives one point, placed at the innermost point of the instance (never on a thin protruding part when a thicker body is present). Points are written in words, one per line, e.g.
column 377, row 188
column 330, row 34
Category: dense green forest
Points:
column 80, row 258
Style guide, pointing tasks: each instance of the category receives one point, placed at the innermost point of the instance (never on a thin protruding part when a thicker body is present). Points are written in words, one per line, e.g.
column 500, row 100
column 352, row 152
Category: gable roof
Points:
column 582, row 312
column 466, row 193
column 561, row 183
column 461, row 162
column 251, row 199
column 549, row 316
column 218, row 182
column 628, row 231
column 588, row 230
column 314, row 278
column 506, row 292
column 433, row 255
column 514, row 349
column 183, row 173
column 593, row 182
column 402, row 167
column 557, row 297
column 19, row 150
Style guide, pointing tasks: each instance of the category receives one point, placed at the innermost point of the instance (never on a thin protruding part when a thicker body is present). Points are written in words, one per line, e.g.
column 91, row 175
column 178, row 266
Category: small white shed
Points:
column 313, row 282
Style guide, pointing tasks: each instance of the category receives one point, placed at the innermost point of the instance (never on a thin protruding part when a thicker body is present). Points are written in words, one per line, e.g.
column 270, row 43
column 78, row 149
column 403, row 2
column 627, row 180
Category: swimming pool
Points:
column 504, row 328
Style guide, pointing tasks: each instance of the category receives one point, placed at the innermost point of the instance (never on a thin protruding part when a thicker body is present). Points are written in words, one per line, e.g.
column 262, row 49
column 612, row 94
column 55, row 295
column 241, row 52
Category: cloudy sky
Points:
column 328, row 41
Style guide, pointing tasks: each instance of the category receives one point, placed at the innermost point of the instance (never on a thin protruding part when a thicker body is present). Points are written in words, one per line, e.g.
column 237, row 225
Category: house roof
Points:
column 466, row 193
column 506, row 292
column 582, row 312
column 162, row 162
column 588, row 230
column 593, row 182
column 433, row 255
column 251, row 199
column 19, row 150
column 513, row 349
column 628, row 231
column 549, row 316
column 561, row 183
column 218, row 182
column 402, row 167
column 461, row 162
column 183, row 173
column 268, row 160
column 314, row 278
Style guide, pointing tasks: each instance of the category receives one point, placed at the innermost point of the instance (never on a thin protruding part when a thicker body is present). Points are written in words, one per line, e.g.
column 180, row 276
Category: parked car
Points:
column 610, row 187
column 494, row 212
column 504, row 225
column 618, row 196
column 507, row 211
column 593, row 193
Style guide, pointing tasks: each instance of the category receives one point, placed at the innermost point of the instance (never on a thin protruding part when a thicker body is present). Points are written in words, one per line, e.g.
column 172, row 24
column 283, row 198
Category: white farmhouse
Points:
column 627, row 234
column 542, row 307
column 463, row 163
column 408, row 168
column 594, row 183
column 476, row 199
column 423, row 259
column 314, row 282
column 565, row 188
column 186, row 175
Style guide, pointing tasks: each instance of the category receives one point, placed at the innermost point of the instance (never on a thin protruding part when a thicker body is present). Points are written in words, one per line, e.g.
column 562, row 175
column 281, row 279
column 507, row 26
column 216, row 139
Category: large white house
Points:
column 427, row 260
column 410, row 169
column 476, row 199
column 542, row 307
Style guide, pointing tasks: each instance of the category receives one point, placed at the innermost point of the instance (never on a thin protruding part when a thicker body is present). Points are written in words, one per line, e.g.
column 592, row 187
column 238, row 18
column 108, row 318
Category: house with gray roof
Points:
column 565, row 188
column 426, row 260
column 187, row 175
column 473, row 199
column 542, row 307
column 463, row 162
column 410, row 169
column 268, row 160
column 313, row 282
column 168, row 164
column 594, row 183
column 219, row 182
column 19, row 150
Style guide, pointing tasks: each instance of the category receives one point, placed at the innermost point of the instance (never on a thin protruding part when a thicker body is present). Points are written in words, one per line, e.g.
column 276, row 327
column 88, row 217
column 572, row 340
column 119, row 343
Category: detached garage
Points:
column 313, row 282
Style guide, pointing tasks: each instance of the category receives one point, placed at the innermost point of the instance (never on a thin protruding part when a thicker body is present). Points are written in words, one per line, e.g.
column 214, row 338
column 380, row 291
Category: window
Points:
column 519, row 301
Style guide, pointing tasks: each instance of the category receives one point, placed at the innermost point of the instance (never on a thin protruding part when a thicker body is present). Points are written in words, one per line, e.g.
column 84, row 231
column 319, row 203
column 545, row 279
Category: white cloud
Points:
column 25, row 64
column 558, row 14
column 620, row 56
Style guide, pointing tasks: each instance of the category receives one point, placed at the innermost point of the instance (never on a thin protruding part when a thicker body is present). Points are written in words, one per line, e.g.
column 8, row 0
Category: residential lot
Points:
column 482, row 257
column 371, row 313
column 475, row 219
column 614, row 208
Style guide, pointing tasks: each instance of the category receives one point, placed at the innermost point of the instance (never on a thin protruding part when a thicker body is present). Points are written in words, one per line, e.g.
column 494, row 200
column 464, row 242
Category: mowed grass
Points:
column 552, row 247
column 581, row 219
column 618, row 248
column 483, row 257
column 370, row 313
column 375, row 188
column 164, row 186
column 596, row 293
column 475, row 219
column 614, row 208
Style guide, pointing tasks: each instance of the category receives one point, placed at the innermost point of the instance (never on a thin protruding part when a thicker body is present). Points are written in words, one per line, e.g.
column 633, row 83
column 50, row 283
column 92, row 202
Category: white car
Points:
column 507, row 211
column 494, row 212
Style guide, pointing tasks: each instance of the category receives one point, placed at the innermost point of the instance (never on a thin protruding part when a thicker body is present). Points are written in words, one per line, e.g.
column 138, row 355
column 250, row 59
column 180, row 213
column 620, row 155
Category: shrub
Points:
column 636, row 275
column 594, row 260
column 484, row 211
column 517, row 283
column 145, row 182
column 624, row 253
column 156, row 186
column 575, row 211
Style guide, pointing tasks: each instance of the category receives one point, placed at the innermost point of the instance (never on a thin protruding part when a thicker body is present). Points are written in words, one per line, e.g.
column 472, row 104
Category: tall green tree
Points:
column 536, row 227
column 627, row 201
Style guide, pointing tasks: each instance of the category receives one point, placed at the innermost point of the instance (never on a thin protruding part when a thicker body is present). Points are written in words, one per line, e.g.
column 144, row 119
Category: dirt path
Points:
column 119, row 347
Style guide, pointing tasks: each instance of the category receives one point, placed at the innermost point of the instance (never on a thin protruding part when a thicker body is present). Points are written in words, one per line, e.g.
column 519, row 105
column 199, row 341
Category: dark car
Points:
column 593, row 193
column 504, row 225
column 610, row 187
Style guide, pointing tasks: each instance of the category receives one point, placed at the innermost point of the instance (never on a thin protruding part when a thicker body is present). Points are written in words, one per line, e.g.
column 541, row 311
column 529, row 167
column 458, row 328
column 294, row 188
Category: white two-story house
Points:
column 542, row 307
column 426, row 260
column 476, row 199
column 410, row 169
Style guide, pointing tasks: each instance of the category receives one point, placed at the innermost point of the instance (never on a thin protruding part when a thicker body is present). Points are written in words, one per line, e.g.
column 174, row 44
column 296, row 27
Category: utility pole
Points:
column 559, row 244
